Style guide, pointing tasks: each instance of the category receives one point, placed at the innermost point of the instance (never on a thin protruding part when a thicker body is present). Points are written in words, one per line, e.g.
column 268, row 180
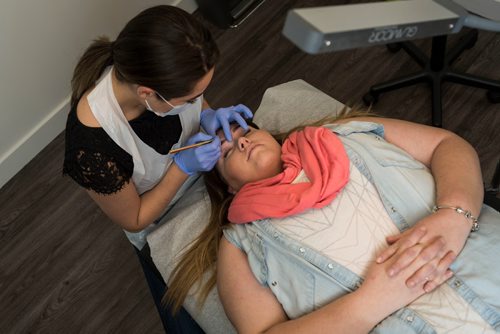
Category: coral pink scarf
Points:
column 320, row 154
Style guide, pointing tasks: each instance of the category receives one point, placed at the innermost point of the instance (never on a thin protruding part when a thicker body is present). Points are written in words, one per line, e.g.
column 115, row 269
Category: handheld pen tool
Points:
column 201, row 143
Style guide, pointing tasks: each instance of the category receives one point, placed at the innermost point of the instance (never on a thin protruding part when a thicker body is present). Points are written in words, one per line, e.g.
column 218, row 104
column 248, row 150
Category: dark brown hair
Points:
column 163, row 48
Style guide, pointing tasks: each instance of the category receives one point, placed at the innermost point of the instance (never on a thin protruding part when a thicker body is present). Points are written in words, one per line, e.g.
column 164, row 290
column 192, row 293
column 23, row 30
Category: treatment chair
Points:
column 189, row 216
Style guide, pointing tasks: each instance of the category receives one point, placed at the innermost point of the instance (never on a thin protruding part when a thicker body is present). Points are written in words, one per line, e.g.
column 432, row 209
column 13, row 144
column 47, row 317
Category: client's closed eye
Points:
column 230, row 145
column 226, row 147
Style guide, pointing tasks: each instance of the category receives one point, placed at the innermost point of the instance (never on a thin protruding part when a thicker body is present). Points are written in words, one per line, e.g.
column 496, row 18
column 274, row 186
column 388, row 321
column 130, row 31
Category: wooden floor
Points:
column 64, row 268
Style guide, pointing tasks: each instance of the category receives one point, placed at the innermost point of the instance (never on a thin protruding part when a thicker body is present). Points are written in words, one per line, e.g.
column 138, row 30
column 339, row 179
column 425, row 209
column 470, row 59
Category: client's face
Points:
column 249, row 157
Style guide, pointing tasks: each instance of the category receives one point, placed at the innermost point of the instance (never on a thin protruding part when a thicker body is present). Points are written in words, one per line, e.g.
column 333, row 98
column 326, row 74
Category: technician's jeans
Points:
column 182, row 322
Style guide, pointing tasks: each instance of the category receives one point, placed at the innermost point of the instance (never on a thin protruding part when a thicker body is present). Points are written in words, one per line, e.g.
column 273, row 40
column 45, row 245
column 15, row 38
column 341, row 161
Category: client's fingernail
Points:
column 391, row 272
column 411, row 284
column 379, row 259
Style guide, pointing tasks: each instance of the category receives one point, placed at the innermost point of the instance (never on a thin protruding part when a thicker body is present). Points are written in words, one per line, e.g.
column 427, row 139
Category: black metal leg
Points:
column 493, row 96
column 495, row 181
column 465, row 43
column 415, row 53
column 438, row 54
column 372, row 96
column 436, row 71
column 472, row 80
column 437, row 109
column 492, row 192
column 399, row 83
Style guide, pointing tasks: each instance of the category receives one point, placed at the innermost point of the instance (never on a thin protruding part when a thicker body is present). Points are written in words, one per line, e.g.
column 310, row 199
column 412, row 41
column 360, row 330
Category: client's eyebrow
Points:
column 233, row 127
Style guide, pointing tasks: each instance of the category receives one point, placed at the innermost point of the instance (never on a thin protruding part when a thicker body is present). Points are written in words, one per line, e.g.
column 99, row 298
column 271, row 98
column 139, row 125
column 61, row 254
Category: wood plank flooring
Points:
column 64, row 268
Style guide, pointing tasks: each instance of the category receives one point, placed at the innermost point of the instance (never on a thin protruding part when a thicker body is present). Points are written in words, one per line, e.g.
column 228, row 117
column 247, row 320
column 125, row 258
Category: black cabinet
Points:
column 227, row 13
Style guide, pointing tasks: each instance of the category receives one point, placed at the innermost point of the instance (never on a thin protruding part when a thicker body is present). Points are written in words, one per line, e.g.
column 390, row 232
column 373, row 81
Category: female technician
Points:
column 133, row 101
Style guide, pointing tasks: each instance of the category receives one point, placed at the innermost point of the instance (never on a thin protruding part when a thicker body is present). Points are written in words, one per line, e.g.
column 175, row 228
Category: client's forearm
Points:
column 253, row 308
column 379, row 296
column 457, row 173
column 352, row 313
column 455, row 168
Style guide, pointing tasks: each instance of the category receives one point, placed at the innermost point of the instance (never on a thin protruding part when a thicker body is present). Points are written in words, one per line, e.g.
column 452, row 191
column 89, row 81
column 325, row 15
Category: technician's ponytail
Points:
column 91, row 65
column 163, row 48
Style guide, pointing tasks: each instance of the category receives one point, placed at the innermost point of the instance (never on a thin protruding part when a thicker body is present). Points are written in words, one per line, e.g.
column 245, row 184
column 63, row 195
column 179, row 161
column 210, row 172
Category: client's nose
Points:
column 243, row 142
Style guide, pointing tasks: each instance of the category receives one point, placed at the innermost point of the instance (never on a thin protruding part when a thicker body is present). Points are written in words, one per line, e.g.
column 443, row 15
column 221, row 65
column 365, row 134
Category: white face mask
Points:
column 174, row 111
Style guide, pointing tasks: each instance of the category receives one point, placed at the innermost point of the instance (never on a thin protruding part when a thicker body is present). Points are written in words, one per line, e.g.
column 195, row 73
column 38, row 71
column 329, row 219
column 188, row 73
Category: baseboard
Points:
column 33, row 142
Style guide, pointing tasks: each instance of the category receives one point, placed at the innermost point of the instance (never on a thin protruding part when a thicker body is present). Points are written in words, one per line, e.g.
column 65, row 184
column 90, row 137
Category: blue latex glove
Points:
column 199, row 159
column 213, row 120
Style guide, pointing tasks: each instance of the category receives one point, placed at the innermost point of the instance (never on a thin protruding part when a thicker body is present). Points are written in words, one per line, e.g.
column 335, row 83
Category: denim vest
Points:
column 303, row 279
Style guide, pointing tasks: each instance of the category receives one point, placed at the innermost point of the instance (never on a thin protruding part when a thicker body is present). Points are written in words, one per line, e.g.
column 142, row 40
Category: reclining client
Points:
column 355, row 224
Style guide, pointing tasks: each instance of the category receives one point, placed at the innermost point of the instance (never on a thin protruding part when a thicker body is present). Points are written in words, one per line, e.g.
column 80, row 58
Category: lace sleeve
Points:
column 98, row 171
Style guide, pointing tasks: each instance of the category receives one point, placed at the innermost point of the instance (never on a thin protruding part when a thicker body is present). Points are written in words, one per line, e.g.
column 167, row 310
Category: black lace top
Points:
column 96, row 162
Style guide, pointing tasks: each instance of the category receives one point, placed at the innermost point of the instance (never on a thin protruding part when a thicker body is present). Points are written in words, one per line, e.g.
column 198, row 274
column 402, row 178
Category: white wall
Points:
column 40, row 43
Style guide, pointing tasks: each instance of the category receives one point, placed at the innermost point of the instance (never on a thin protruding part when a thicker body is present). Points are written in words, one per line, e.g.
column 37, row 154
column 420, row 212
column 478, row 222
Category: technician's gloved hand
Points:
column 213, row 120
column 199, row 159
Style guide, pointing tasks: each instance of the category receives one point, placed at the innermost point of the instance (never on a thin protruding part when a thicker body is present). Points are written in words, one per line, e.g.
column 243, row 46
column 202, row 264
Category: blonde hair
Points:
column 201, row 254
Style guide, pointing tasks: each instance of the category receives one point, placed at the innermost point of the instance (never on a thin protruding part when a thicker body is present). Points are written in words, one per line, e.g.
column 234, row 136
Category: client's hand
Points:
column 212, row 120
column 199, row 159
column 392, row 290
column 445, row 233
